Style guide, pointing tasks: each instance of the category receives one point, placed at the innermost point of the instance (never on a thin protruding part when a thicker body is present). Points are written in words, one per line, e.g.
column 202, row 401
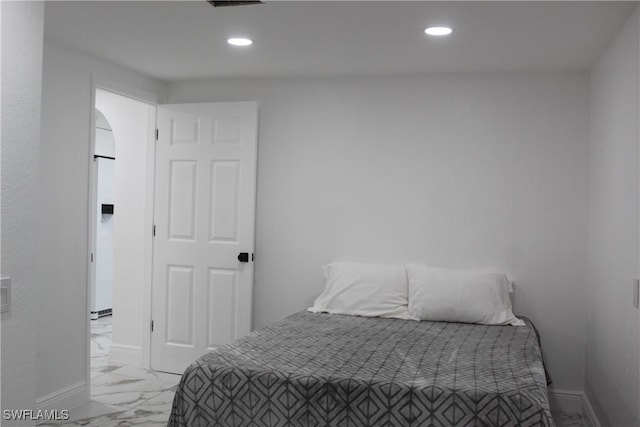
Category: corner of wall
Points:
column 588, row 411
column 613, row 334
column 22, row 29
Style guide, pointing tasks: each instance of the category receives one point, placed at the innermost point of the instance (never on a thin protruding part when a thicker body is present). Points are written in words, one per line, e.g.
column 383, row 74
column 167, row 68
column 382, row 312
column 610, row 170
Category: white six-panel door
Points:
column 204, row 218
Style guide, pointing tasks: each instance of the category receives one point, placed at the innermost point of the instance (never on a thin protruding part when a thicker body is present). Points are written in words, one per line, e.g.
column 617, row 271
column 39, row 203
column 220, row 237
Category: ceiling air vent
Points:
column 220, row 3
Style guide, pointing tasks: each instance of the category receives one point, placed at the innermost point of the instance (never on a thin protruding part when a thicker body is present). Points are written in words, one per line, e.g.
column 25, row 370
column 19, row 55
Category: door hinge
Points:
column 152, row 326
column 251, row 256
column 157, row 133
column 154, row 230
column 91, row 256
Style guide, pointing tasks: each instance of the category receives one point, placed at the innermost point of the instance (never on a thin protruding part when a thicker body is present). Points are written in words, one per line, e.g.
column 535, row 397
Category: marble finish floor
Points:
column 127, row 395
column 121, row 395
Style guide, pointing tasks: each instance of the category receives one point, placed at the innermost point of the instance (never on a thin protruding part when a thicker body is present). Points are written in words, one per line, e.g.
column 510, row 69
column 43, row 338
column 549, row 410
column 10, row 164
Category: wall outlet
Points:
column 5, row 294
column 636, row 292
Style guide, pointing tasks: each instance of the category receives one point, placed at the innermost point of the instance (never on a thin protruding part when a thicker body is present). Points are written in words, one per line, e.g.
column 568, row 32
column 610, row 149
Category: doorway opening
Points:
column 101, row 282
column 121, row 212
column 102, row 274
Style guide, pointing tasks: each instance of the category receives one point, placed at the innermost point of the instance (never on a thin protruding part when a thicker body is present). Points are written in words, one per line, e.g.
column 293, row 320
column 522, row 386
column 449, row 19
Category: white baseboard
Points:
column 573, row 401
column 588, row 412
column 123, row 353
column 69, row 397
column 569, row 401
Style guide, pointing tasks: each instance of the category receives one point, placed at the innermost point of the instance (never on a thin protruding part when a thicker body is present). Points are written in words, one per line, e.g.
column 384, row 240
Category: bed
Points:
column 317, row 369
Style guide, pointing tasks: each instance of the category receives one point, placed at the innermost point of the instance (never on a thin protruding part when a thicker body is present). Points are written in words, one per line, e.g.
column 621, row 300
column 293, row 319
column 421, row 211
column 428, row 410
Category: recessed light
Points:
column 240, row 41
column 438, row 31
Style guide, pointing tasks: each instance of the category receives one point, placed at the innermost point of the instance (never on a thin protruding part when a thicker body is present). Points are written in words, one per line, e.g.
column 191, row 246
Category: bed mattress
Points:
column 314, row 369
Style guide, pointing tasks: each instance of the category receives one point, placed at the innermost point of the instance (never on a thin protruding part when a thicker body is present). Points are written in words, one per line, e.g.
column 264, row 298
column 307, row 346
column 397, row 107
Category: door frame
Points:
column 99, row 81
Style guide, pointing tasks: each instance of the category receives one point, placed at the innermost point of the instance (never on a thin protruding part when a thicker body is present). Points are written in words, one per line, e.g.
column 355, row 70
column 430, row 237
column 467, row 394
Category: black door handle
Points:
column 243, row 257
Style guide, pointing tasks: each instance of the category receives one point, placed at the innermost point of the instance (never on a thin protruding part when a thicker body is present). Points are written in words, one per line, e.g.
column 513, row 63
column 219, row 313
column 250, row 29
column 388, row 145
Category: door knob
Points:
column 243, row 257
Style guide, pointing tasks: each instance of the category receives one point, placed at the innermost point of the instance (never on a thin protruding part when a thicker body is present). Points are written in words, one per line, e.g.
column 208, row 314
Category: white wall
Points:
column 460, row 169
column 22, row 26
column 63, row 248
column 133, row 125
column 613, row 332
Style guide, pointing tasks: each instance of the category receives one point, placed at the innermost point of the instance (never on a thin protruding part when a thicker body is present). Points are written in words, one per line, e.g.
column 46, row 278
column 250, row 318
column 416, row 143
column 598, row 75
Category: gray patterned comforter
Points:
column 331, row 370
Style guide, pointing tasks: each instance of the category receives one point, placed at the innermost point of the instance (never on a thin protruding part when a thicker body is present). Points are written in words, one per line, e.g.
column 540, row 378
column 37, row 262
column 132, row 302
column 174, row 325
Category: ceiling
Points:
column 187, row 39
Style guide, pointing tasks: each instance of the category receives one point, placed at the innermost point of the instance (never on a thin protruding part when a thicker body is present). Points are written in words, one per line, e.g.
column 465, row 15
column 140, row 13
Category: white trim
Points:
column 147, row 291
column 573, row 401
column 69, row 397
column 103, row 82
column 92, row 231
column 588, row 413
column 123, row 353
column 569, row 401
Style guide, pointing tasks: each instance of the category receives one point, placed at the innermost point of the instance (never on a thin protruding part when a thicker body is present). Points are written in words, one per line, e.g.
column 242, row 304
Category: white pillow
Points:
column 364, row 290
column 469, row 296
